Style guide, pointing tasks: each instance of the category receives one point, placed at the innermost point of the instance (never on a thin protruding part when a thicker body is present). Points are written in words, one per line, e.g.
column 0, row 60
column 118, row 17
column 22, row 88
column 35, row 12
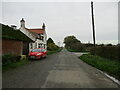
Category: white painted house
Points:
column 38, row 35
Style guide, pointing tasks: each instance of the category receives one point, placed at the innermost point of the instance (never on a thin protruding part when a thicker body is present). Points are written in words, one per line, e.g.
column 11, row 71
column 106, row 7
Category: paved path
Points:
column 61, row 70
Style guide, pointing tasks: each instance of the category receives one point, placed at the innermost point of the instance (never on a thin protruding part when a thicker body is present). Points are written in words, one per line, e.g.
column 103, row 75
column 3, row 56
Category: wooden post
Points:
column 93, row 25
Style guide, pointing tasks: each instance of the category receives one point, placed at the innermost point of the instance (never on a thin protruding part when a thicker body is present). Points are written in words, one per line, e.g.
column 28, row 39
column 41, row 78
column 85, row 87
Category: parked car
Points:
column 37, row 53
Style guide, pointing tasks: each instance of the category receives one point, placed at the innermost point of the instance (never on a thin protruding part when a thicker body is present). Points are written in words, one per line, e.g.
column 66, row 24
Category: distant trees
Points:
column 51, row 45
column 71, row 42
column 74, row 45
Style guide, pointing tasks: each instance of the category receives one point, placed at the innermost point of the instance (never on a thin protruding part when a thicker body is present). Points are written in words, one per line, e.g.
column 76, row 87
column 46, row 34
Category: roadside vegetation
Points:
column 10, row 61
column 105, row 58
column 52, row 47
column 110, row 52
column 111, row 67
column 73, row 44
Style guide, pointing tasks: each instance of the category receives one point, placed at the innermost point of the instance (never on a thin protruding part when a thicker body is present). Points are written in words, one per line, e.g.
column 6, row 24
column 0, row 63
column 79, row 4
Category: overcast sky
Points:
column 66, row 18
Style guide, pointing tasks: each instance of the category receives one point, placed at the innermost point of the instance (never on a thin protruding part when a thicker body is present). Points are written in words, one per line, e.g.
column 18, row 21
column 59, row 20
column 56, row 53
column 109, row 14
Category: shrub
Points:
column 8, row 58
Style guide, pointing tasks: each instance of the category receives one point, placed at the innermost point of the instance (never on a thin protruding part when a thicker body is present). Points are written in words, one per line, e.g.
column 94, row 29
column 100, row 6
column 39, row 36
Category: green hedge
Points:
column 110, row 52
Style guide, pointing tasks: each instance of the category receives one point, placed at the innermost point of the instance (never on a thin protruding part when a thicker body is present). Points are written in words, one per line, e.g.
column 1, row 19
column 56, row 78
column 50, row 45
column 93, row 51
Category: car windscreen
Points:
column 36, row 50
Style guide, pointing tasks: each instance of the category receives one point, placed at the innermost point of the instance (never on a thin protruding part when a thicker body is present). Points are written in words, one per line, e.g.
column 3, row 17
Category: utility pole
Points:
column 93, row 25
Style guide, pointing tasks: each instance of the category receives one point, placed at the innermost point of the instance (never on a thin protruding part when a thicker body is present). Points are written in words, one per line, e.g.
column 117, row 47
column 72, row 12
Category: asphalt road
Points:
column 61, row 70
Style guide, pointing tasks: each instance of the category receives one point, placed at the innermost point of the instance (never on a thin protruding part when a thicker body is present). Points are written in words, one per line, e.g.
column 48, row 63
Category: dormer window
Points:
column 40, row 36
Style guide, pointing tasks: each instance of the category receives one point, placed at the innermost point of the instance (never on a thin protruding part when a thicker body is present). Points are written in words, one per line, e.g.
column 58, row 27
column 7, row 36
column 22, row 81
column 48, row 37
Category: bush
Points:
column 8, row 58
column 52, row 47
column 110, row 52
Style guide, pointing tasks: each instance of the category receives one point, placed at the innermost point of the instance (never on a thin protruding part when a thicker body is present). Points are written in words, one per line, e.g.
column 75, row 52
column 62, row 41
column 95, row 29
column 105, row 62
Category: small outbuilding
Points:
column 14, row 41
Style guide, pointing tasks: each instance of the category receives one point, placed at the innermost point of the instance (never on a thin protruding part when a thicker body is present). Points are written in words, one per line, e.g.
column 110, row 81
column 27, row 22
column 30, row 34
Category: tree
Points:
column 70, row 40
column 50, row 41
column 78, row 46
column 51, row 45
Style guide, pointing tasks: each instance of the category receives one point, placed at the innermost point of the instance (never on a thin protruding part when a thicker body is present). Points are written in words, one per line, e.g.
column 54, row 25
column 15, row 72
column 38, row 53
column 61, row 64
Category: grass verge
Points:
column 55, row 51
column 12, row 65
column 109, row 66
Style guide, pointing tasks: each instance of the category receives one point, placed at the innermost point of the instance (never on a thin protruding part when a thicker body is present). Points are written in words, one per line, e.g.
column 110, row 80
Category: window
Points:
column 40, row 36
column 35, row 45
column 37, row 50
column 40, row 45
column 44, row 45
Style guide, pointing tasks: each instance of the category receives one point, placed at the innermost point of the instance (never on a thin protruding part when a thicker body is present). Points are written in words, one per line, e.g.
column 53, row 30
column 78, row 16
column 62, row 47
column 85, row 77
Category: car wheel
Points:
column 42, row 57
column 45, row 56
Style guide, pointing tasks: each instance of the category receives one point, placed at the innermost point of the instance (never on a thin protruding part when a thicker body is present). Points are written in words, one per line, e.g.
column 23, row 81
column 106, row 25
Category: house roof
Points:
column 34, row 34
column 38, row 31
column 10, row 33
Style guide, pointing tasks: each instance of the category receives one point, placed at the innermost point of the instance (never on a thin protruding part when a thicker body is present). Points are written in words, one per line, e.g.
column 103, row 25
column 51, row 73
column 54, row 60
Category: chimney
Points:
column 43, row 26
column 22, row 23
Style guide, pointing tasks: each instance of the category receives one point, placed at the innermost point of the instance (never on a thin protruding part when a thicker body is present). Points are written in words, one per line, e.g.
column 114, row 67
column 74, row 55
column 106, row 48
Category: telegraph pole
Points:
column 93, row 25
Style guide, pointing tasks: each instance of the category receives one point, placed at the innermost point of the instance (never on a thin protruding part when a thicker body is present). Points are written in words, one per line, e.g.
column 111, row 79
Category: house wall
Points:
column 38, row 41
column 12, row 47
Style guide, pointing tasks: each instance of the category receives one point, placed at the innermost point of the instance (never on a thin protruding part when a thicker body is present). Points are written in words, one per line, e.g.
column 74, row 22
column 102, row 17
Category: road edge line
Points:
column 110, row 77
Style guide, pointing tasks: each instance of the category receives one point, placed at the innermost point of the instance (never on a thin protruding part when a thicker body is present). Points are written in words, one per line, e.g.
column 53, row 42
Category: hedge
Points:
column 8, row 58
column 110, row 52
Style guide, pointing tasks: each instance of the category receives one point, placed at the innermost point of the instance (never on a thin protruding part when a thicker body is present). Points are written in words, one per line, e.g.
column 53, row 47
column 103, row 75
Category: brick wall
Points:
column 12, row 47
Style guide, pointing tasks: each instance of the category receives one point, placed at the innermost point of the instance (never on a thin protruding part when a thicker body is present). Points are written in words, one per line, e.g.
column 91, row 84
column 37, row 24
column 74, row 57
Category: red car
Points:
column 37, row 53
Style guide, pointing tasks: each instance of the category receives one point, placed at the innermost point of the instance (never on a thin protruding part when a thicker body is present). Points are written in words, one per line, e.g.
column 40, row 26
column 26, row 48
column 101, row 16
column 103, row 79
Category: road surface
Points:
column 60, row 70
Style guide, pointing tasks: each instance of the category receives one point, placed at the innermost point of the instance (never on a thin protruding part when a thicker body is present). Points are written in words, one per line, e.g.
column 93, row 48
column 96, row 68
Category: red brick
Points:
column 12, row 47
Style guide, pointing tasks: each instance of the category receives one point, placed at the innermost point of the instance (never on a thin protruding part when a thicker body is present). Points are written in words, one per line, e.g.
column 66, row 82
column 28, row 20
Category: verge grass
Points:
column 111, row 67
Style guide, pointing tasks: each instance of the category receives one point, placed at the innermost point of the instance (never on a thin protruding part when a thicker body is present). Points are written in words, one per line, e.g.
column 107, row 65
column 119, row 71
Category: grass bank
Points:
column 55, row 51
column 111, row 67
column 12, row 65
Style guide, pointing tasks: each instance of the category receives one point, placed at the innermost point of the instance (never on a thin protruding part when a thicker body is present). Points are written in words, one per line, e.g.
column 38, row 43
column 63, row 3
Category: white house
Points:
column 38, row 35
